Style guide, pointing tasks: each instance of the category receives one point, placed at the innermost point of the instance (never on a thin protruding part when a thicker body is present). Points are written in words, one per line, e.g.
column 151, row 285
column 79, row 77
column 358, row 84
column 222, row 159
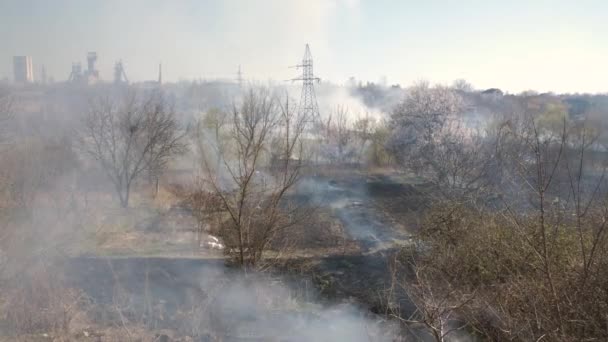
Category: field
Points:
column 143, row 270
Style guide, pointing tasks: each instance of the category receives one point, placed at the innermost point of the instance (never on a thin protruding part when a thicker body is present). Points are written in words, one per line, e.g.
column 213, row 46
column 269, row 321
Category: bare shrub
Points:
column 32, row 168
column 437, row 303
column 37, row 300
column 531, row 270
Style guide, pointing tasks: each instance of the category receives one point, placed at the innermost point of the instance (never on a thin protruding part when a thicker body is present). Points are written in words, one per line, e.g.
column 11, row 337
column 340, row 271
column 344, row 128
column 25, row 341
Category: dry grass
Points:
column 38, row 301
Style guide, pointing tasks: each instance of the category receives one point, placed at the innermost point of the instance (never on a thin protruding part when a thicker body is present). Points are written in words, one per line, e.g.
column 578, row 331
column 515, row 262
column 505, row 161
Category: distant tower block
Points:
column 119, row 73
column 23, row 69
column 308, row 101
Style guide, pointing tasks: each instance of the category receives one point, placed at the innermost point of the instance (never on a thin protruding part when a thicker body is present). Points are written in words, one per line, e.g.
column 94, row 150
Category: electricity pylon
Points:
column 308, row 106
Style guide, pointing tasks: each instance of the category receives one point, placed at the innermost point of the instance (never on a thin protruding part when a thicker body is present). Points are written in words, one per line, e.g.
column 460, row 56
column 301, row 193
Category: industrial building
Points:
column 23, row 69
column 89, row 76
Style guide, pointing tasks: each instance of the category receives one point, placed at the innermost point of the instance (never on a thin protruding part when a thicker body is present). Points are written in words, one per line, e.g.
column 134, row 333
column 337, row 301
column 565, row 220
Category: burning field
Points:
column 333, row 284
column 152, row 212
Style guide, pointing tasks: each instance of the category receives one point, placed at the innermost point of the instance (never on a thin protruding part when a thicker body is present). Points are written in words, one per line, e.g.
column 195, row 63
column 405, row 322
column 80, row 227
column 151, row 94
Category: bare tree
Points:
column 338, row 135
column 462, row 85
column 250, row 162
column 363, row 130
column 430, row 136
column 131, row 137
column 417, row 121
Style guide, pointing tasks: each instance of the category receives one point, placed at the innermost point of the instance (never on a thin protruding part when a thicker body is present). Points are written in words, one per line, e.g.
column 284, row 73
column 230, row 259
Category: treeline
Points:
column 514, row 241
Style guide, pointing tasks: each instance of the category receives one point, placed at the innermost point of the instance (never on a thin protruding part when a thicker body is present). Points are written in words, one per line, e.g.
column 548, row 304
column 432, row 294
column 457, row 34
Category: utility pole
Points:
column 160, row 74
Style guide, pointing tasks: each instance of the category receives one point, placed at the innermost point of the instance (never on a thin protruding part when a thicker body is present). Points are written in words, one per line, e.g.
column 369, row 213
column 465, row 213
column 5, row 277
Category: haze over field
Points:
column 557, row 46
column 290, row 170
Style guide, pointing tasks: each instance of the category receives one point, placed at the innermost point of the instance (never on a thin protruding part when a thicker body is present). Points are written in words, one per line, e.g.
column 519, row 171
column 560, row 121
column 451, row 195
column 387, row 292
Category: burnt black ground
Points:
column 356, row 200
column 363, row 279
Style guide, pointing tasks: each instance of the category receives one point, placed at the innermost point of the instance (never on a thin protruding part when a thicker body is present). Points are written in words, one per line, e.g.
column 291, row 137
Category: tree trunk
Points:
column 124, row 198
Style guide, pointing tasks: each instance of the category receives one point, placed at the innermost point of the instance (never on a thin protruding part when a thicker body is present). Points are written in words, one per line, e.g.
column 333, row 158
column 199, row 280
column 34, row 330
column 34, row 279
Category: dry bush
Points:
column 437, row 304
column 35, row 296
column 204, row 206
column 32, row 168
column 37, row 300
column 35, row 228
column 533, row 266
column 485, row 255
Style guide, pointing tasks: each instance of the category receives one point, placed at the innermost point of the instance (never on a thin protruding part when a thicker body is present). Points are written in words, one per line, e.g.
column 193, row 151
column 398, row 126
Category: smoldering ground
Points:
column 48, row 290
column 191, row 298
column 55, row 294
column 202, row 298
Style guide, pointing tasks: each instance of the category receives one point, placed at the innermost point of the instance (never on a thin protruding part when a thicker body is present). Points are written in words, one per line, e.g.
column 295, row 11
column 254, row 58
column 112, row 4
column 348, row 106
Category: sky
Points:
column 515, row 45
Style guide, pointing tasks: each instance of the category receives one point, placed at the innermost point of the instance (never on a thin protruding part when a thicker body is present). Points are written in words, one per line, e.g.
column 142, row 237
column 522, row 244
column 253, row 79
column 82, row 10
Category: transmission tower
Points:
column 239, row 77
column 308, row 101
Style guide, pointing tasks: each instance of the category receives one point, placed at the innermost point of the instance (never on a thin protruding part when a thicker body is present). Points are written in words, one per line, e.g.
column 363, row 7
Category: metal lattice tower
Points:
column 239, row 77
column 308, row 101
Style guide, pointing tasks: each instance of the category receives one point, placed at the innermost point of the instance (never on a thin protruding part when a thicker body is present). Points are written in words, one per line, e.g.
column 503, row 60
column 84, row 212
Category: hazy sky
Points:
column 514, row 45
